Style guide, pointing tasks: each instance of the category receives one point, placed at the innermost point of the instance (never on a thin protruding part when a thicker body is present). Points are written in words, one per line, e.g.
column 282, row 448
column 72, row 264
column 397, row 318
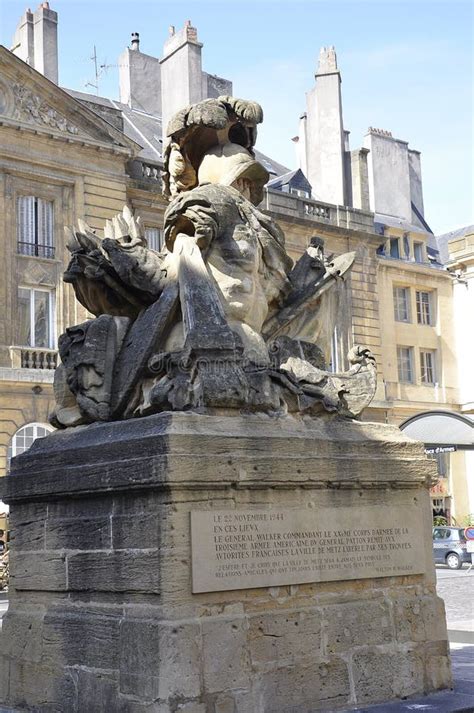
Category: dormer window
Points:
column 395, row 248
column 418, row 252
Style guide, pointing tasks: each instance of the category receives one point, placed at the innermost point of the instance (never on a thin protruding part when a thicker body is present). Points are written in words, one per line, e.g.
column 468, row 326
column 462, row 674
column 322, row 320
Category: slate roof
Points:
column 392, row 222
column 297, row 176
column 143, row 128
column 146, row 129
column 443, row 240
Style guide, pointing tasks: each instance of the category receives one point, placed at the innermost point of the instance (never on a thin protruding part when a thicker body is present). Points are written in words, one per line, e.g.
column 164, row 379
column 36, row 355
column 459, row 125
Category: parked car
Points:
column 450, row 547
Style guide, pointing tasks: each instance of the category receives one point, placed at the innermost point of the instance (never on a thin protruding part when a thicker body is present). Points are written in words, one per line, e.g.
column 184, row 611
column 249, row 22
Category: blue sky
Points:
column 406, row 66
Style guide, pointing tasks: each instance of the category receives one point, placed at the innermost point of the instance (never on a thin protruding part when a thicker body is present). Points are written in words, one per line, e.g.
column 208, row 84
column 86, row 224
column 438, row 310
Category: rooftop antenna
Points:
column 97, row 73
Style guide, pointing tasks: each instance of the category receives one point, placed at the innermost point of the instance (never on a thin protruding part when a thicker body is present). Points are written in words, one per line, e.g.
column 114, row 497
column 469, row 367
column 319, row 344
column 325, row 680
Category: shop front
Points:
column 448, row 439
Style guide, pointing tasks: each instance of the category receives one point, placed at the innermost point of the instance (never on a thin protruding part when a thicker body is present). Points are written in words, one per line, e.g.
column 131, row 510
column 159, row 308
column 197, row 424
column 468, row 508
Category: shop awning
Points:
column 441, row 428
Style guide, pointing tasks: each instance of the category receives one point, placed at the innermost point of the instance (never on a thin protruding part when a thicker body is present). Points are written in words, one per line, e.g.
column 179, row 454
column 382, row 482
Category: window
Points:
column 427, row 364
column 401, row 303
column 424, row 311
column 394, row 248
column 154, row 238
column 36, row 318
column 405, row 364
column 35, row 227
column 418, row 252
column 300, row 193
column 24, row 438
column 438, row 506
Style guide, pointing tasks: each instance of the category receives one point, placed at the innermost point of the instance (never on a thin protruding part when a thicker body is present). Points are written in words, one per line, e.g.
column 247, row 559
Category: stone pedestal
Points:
column 102, row 614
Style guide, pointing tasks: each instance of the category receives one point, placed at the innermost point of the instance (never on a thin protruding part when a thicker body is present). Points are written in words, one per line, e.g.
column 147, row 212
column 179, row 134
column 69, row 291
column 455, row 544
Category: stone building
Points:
column 65, row 155
column 450, row 434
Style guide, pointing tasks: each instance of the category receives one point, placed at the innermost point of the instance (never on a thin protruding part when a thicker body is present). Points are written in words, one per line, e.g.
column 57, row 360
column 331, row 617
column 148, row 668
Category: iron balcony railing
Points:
column 35, row 249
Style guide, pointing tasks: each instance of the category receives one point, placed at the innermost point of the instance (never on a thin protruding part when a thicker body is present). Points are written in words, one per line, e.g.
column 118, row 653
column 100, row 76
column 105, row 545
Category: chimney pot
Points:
column 135, row 41
column 187, row 23
column 171, row 30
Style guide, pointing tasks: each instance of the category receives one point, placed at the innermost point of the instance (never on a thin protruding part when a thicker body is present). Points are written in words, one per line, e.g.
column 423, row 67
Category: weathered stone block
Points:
column 39, row 687
column 97, row 691
column 139, row 654
column 176, row 647
column 283, row 637
column 191, row 708
column 28, row 536
column 380, row 675
column 85, row 507
column 419, row 617
column 44, row 571
column 226, row 663
column 121, row 571
column 357, row 623
column 224, row 704
column 83, row 637
column 78, row 534
column 321, row 686
column 23, row 636
column 136, row 531
column 28, row 513
column 179, row 672
column 4, row 679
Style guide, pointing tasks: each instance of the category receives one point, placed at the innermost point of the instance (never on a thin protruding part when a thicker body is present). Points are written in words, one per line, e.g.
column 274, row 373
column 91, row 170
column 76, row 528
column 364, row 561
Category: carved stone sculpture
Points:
column 221, row 318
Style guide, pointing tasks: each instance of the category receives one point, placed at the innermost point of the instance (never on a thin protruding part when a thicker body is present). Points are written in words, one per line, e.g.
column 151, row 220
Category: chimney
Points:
column 23, row 39
column 140, row 79
column 324, row 140
column 45, row 23
column 327, row 63
column 181, row 72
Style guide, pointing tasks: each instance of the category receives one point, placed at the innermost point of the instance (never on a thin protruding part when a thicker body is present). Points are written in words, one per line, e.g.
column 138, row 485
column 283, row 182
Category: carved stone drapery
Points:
column 31, row 107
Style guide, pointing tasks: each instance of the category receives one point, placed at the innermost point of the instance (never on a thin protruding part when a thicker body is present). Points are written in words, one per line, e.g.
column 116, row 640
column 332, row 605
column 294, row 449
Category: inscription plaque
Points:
column 242, row 549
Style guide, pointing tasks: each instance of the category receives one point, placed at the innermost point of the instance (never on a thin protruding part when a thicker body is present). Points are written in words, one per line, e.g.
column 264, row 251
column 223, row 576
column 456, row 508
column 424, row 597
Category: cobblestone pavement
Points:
column 456, row 587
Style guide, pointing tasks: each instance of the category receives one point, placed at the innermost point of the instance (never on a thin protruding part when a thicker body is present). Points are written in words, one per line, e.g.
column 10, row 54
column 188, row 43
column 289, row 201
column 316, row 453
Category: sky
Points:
column 406, row 66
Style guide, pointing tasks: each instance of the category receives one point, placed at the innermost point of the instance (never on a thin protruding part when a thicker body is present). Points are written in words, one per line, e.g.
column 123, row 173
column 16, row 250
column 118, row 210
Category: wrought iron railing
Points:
column 35, row 249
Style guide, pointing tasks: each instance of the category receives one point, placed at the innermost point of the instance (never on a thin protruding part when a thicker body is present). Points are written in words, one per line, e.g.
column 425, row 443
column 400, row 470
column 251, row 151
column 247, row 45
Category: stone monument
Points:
column 211, row 529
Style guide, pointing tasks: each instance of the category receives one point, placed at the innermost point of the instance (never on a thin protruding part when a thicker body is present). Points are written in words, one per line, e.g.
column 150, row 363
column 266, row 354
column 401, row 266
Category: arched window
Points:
column 24, row 438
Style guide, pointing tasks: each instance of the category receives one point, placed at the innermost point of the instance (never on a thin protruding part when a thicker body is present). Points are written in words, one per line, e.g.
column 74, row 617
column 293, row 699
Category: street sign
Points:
column 470, row 546
column 469, row 533
column 434, row 450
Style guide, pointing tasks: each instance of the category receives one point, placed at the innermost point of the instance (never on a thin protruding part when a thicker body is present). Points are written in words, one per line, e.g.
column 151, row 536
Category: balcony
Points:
column 33, row 358
column 38, row 359
column 288, row 205
column 146, row 174
column 35, row 250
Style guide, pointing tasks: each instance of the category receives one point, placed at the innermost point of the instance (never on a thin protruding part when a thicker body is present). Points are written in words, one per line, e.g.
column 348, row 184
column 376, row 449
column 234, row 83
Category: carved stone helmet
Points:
column 212, row 142
column 230, row 164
